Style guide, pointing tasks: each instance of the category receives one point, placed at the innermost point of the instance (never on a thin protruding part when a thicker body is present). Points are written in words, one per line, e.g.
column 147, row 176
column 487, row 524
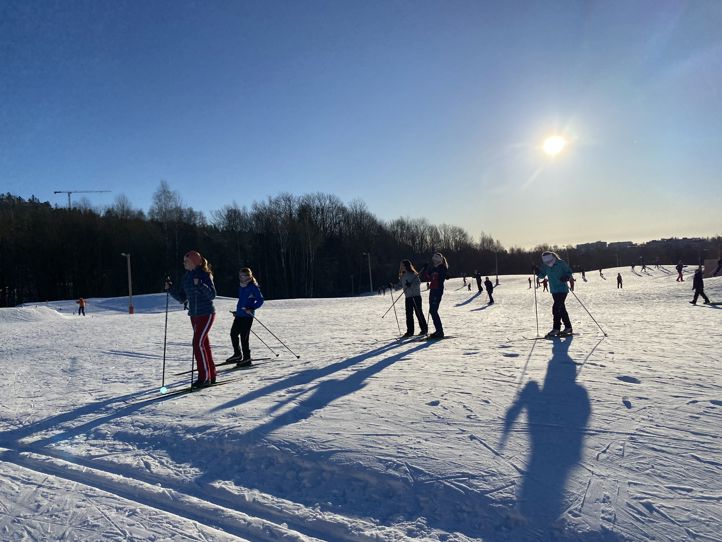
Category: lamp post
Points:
column 131, row 310
column 371, row 282
column 496, row 261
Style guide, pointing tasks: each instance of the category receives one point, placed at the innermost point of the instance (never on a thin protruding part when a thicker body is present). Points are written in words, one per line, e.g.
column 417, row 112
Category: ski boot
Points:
column 553, row 333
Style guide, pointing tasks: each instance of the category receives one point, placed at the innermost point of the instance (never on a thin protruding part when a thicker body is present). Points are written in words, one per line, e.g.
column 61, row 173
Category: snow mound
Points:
column 29, row 314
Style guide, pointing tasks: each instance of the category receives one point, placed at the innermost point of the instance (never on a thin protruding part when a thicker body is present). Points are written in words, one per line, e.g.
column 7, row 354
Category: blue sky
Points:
column 421, row 109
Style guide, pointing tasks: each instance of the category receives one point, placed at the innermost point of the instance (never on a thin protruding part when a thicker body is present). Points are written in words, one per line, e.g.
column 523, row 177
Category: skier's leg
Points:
column 424, row 327
column 557, row 310
column 704, row 296
column 434, row 302
column 694, row 299
column 245, row 336
column 409, row 307
column 235, row 331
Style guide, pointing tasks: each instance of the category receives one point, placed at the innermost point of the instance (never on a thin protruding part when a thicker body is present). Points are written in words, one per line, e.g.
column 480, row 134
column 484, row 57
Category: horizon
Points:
column 422, row 109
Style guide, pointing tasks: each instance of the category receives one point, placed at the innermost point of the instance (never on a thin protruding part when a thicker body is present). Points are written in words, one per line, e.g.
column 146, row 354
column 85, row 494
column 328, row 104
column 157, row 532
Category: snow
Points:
column 484, row 436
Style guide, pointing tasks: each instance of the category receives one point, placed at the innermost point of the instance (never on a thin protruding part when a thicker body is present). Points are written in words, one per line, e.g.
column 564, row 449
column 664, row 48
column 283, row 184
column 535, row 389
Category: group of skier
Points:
column 197, row 291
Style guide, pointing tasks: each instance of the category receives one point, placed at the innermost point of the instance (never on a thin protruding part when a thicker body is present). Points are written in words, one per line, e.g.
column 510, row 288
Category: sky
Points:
column 421, row 109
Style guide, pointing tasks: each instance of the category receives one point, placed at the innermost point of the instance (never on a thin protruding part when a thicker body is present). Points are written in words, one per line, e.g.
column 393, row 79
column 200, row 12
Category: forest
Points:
column 311, row 245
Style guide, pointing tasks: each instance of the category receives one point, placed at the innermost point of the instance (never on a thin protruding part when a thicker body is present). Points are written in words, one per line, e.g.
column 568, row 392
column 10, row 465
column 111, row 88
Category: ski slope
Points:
column 485, row 436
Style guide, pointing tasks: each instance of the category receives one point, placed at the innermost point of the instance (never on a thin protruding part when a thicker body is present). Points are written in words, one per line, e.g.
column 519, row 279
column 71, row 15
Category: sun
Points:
column 554, row 145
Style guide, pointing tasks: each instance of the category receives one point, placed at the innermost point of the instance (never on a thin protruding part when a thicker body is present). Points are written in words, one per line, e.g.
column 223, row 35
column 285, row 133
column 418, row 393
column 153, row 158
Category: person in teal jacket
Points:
column 559, row 273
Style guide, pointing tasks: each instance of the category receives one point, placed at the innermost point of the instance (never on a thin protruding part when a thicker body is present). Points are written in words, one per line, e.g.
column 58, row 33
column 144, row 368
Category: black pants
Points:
column 241, row 326
column 559, row 311
column 434, row 302
column 81, row 310
column 413, row 305
column 478, row 284
column 698, row 293
column 491, row 298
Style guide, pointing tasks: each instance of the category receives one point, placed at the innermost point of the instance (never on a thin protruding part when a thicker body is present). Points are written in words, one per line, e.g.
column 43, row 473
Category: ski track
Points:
column 364, row 439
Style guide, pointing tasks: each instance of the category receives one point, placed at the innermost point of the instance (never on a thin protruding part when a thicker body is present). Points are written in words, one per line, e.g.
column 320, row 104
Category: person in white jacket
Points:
column 410, row 282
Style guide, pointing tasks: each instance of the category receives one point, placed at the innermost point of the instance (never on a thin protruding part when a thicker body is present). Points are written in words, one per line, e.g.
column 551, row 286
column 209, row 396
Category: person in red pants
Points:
column 197, row 289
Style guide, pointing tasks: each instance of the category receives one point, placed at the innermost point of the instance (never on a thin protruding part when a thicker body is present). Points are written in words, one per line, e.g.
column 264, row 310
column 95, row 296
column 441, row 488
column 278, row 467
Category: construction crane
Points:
column 69, row 192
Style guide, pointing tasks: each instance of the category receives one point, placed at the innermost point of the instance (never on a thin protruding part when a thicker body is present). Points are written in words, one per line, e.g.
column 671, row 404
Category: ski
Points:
column 181, row 391
column 221, row 365
column 431, row 339
column 546, row 338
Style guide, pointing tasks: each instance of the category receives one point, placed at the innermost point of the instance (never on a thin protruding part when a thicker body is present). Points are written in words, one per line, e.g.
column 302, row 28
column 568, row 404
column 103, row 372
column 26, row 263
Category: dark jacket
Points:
column 200, row 298
column 436, row 277
column 249, row 297
column 489, row 285
column 697, row 281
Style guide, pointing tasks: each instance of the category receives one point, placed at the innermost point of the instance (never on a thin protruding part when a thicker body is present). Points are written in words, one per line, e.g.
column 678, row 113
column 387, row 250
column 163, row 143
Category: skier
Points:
column 436, row 279
column 489, row 290
column 530, row 283
column 558, row 272
column 81, row 306
column 679, row 268
column 584, row 276
column 619, row 281
column 198, row 290
column 249, row 299
column 477, row 276
column 410, row 282
column 698, row 287
column 600, row 273
column 545, row 283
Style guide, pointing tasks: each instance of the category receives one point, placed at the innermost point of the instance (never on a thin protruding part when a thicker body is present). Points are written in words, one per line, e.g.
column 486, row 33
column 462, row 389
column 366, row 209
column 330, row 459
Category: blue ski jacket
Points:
column 249, row 297
column 558, row 274
column 199, row 297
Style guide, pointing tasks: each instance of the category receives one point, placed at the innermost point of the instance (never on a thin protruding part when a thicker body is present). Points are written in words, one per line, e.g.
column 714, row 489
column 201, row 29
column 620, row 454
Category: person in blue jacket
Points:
column 198, row 291
column 249, row 299
column 559, row 273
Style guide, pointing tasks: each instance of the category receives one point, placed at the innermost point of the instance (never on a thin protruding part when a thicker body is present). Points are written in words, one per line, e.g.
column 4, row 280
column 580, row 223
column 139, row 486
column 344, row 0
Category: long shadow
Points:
column 558, row 413
column 305, row 377
column 483, row 307
column 472, row 298
column 12, row 437
column 326, row 392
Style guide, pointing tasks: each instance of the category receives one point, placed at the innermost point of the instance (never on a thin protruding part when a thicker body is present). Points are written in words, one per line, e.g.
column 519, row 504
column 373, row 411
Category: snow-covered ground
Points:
column 485, row 436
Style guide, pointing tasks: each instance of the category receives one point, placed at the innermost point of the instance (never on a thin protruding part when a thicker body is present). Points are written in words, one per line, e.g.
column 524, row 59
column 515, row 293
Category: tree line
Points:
column 311, row 245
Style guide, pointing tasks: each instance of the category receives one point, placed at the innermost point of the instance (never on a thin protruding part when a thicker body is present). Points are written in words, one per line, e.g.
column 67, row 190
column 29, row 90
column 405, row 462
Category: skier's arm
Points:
column 177, row 292
column 258, row 300
column 205, row 288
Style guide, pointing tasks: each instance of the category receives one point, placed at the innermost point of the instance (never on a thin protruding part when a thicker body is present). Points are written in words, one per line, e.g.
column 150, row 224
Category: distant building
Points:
column 590, row 247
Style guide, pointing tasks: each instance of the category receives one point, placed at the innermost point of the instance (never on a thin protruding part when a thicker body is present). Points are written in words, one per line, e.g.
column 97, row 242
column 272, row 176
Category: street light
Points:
column 131, row 310
column 371, row 282
column 496, row 261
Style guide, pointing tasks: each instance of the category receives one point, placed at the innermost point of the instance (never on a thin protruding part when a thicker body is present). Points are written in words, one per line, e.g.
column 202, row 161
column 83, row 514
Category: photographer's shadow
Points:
column 558, row 414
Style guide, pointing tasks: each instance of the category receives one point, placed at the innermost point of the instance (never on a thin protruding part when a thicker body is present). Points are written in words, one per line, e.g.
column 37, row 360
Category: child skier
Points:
column 410, row 282
column 81, row 306
column 558, row 272
column 198, row 290
column 679, row 268
column 437, row 276
column 249, row 299
column 619, row 281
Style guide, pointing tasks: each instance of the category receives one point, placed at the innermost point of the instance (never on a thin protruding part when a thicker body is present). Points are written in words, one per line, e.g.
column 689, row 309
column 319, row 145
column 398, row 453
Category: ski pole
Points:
column 275, row 337
column 163, row 389
column 462, row 286
column 264, row 343
column 193, row 357
column 536, row 309
column 392, row 304
column 589, row 313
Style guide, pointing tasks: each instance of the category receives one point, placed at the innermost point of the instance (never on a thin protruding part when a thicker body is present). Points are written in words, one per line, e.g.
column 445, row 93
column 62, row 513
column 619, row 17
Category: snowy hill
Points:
column 483, row 436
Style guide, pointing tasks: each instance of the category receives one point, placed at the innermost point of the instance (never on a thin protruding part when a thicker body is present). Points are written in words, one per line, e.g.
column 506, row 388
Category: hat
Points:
column 194, row 257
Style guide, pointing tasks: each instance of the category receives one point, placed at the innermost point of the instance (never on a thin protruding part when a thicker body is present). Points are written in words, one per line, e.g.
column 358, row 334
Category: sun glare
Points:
column 554, row 145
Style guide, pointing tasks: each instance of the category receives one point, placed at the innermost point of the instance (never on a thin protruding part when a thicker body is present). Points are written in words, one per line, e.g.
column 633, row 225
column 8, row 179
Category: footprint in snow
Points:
column 433, row 403
column 629, row 379
column 715, row 402
column 627, row 402
column 510, row 355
